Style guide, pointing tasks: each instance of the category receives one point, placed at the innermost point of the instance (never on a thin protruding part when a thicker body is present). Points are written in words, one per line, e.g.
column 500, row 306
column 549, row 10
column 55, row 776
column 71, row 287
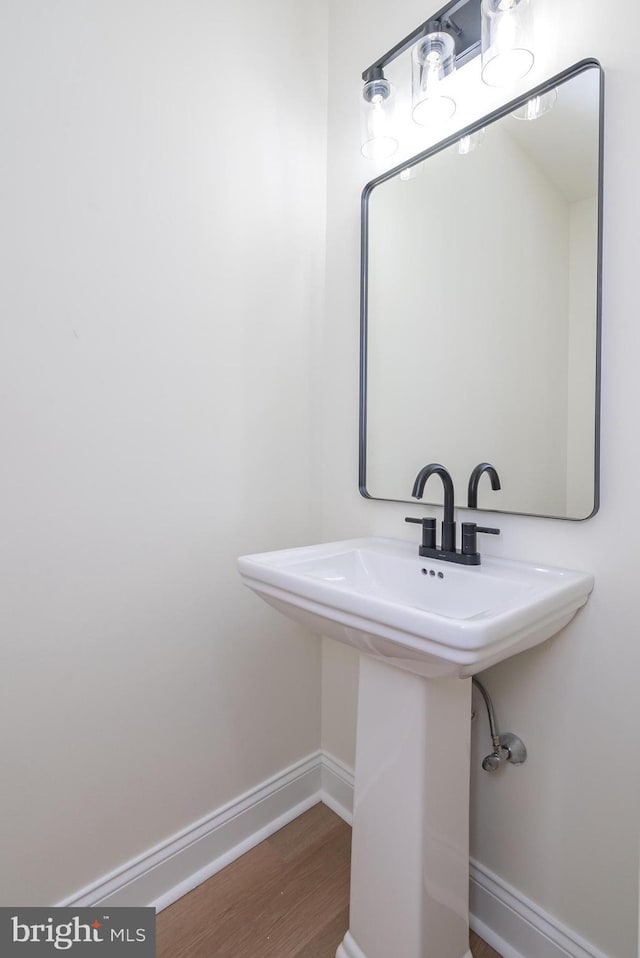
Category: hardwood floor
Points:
column 286, row 898
column 480, row 949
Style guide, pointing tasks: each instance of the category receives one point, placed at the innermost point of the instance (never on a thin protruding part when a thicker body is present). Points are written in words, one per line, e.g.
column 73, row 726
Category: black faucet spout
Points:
column 448, row 524
column 474, row 479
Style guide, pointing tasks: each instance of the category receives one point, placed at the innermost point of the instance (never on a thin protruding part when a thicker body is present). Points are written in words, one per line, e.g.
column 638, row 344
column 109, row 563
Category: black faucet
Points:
column 447, row 551
column 474, row 479
column 448, row 524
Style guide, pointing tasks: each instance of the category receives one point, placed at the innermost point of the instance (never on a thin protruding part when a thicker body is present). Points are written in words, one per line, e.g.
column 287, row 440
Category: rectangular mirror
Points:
column 481, row 308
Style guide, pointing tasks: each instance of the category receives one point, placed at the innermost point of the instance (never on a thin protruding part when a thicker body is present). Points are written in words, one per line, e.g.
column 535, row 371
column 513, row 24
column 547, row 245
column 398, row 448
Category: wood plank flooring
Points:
column 480, row 949
column 286, row 898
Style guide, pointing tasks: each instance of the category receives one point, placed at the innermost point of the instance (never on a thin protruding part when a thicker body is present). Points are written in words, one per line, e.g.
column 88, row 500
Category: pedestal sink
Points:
column 425, row 627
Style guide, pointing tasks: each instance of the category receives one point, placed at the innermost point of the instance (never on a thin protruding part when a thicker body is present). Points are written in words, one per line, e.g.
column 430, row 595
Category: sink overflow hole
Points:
column 432, row 572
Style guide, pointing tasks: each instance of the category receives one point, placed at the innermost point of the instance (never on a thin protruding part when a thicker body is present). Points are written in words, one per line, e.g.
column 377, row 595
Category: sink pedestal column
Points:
column 410, row 853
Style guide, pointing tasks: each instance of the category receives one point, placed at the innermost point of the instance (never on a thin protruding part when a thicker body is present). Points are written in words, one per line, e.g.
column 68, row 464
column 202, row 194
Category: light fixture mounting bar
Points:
column 460, row 18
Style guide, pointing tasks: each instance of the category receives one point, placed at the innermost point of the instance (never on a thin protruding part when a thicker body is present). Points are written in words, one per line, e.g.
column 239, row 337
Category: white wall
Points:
column 563, row 828
column 162, row 240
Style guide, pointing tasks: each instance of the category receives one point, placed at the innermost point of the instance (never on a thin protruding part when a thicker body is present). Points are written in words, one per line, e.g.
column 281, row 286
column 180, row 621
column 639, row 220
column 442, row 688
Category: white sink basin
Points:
column 427, row 616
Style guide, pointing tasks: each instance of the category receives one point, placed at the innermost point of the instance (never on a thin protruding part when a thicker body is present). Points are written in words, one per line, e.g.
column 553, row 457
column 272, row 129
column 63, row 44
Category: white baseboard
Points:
column 174, row 867
column 349, row 949
column 337, row 787
column 512, row 924
column 515, row 926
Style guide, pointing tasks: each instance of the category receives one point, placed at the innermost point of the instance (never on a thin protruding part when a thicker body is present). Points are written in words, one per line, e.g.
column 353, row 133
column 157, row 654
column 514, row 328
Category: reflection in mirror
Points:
column 481, row 309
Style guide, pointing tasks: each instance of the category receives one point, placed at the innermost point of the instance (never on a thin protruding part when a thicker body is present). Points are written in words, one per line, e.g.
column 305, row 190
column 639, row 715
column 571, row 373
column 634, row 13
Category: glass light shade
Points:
column 469, row 143
column 433, row 59
column 537, row 106
column 376, row 117
column 411, row 172
column 507, row 36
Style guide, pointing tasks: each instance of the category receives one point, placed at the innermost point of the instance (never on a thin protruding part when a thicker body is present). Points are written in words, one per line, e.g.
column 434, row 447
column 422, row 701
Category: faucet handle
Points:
column 428, row 531
column 470, row 536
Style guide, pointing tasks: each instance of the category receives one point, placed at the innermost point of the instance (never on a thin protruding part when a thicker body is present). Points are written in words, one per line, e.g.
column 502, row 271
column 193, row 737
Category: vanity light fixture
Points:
column 497, row 30
column 376, row 111
column 506, row 41
column 433, row 59
column 411, row 172
column 537, row 106
column 469, row 143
